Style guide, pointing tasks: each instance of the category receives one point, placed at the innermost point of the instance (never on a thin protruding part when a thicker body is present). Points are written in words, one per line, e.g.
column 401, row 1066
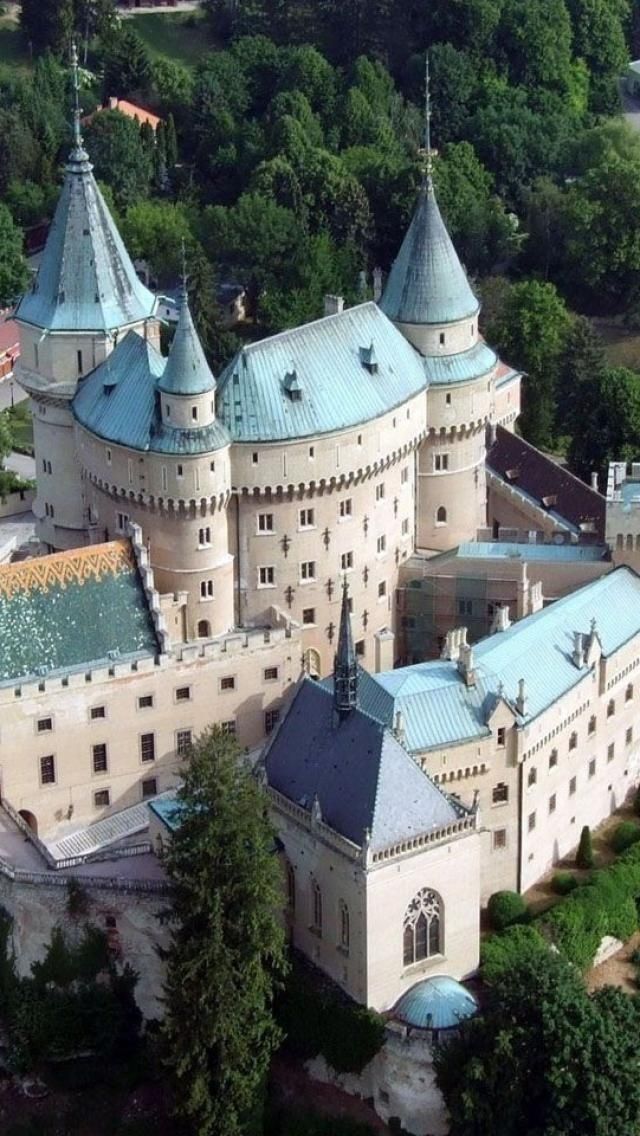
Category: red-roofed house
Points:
column 131, row 110
column 9, row 346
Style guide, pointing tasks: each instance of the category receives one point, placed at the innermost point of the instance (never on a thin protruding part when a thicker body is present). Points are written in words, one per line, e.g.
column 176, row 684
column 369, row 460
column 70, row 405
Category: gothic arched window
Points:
column 422, row 934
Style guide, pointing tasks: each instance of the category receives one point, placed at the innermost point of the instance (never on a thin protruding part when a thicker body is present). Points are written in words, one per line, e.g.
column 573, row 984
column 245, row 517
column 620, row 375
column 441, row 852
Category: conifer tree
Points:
column 171, row 143
column 584, row 855
column 226, row 951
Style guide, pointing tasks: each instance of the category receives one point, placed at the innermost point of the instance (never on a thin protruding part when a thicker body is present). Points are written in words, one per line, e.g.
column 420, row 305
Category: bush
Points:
column 636, row 801
column 584, row 855
column 624, row 835
column 511, row 949
column 506, row 908
column 563, row 883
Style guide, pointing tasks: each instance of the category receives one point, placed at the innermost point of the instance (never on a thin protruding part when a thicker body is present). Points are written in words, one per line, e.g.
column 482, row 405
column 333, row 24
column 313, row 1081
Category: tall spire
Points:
column 345, row 669
column 78, row 155
column 427, row 126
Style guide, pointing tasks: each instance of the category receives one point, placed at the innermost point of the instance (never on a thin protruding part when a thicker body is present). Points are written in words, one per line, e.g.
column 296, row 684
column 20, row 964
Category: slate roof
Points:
column 337, row 389
column 86, row 281
column 119, row 402
column 427, row 283
column 187, row 371
column 361, row 776
column 524, row 468
column 439, row 709
column 72, row 610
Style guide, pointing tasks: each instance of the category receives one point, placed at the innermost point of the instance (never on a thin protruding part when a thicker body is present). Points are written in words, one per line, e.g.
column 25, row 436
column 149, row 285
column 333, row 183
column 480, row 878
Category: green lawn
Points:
column 179, row 36
column 21, row 426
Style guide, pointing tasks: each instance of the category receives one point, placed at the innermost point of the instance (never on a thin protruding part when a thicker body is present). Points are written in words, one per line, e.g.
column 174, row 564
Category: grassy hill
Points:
column 178, row 36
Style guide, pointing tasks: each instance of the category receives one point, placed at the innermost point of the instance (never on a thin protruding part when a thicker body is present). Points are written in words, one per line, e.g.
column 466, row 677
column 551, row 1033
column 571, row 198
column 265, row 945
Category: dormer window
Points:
column 194, row 413
column 368, row 358
column 292, row 385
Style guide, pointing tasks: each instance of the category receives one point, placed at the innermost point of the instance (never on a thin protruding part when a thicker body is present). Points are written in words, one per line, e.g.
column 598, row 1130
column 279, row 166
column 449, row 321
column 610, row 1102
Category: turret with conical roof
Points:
column 187, row 386
column 345, row 671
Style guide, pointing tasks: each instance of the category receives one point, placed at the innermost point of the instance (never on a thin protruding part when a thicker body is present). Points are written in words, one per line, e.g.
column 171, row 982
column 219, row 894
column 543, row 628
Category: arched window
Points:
column 312, row 662
column 628, row 694
column 441, row 515
column 619, row 541
column 629, row 543
column 204, row 629
column 316, row 907
column 344, row 926
column 422, row 934
column 291, row 886
column 533, row 776
column 611, row 708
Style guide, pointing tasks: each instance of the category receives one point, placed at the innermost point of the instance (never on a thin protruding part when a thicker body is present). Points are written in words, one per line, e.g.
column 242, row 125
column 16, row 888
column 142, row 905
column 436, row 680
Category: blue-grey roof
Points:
column 73, row 610
column 435, row 1003
column 427, row 283
column 362, row 778
column 86, row 281
column 570, row 553
column 187, row 371
column 337, row 389
column 439, row 709
column 479, row 360
column 168, row 808
column 119, row 402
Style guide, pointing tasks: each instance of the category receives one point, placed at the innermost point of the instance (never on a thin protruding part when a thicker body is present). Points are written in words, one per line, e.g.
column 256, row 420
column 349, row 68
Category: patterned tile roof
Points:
column 337, row 388
column 72, row 609
column 119, row 402
column 86, row 281
column 439, row 709
column 356, row 770
column 427, row 283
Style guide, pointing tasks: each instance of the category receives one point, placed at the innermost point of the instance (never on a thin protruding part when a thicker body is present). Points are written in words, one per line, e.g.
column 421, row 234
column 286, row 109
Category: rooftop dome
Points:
column 427, row 283
column 435, row 1003
column 187, row 371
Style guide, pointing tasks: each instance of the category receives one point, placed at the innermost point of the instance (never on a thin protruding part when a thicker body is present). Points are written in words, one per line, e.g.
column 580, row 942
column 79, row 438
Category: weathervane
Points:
column 426, row 152
column 185, row 277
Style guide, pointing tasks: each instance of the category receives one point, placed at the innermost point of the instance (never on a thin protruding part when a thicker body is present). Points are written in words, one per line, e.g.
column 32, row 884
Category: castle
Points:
column 198, row 532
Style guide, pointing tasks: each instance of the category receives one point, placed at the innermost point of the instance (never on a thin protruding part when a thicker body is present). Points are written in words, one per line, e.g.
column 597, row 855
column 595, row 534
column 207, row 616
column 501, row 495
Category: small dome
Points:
column 435, row 1003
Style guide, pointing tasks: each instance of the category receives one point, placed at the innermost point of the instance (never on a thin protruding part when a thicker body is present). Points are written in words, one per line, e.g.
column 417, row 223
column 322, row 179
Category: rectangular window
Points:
column 629, row 736
column 307, row 518
column 572, row 786
column 308, row 570
column 381, row 543
column 102, row 798
column 552, row 803
column 270, row 674
column 531, row 823
column 254, row 458
column 97, row 712
column 465, row 607
column 183, row 694
column 499, row 838
column 404, row 476
column 79, row 362
column 99, row 753
column 553, row 758
column 611, row 751
column 228, row 727
column 147, row 747
column 122, row 520
column 271, row 719
column 108, row 455
column 405, row 527
column 130, row 471
column 500, row 793
column 308, row 615
column 265, row 522
column 266, row 576
column 48, row 770
column 183, row 742
column 204, row 536
column 228, row 682
column 206, row 589
column 45, row 725
column 346, row 561
column 380, row 491
column 441, row 462
column 346, row 508
column 592, row 767
column 382, row 589
column 165, row 479
column 360, row 648
column 145, row 702
column 502, row 736
column 179, row 471
column 149, row 788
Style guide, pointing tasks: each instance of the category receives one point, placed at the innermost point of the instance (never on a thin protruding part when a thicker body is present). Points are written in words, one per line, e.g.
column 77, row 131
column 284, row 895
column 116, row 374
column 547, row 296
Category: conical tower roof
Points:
column 427, row 283
column 187, row 371
column 86, row 280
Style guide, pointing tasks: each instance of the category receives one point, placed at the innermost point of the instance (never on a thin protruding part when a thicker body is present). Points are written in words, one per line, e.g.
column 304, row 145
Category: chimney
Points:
column 578, row 649
column 113, row 103
column 521, row 700
column 455, row 639
column 465, row 664
column 501, row 621
column 594, row 480
column 333, row 305
column 377, row 284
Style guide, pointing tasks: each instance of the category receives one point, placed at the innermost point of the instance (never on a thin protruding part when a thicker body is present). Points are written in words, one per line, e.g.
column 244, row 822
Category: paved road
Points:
column 9, row 389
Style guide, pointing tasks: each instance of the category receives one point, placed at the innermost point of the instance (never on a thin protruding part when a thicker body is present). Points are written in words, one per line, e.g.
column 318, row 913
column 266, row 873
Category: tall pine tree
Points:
column 227, row 945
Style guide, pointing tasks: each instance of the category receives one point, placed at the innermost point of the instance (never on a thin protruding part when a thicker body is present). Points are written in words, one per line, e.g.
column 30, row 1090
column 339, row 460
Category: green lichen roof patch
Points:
column 72, row 609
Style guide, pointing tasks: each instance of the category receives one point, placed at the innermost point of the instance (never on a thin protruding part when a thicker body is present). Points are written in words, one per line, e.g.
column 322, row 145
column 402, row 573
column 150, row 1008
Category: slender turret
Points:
column 345, row 670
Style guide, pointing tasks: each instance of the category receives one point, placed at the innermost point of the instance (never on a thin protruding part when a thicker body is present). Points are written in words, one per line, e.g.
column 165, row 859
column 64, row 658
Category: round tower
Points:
column 85, row 296
column 429, row 299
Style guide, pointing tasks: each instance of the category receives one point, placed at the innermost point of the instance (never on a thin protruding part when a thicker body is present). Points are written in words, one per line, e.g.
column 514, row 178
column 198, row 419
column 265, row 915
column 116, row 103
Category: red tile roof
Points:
column 131, row 110
column 9, row 338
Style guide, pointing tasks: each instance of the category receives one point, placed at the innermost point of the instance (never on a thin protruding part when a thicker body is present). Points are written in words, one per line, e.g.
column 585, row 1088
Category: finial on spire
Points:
column 345, row 670
column 427, row 152
column 77, row 112
column 185, row 276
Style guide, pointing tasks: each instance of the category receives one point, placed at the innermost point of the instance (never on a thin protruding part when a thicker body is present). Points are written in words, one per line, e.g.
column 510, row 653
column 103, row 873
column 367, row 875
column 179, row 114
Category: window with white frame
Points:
column 440, row 462
column 345, row 508
column 346, row 561
column 206, row 589
column 308, row 570
column 122, row 520
column 266, row 576
column 380, row 491
column 306, row 518
column 204, row 536
column 265, row 522
column 381, row 544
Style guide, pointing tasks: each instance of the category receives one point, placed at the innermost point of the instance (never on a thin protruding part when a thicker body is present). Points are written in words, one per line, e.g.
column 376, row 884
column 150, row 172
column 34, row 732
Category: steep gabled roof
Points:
column 358, row 773
column 427, row 283
column 86, row 280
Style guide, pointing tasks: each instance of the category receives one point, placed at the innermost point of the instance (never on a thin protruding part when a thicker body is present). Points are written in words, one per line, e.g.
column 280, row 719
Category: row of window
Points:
column 500, row 792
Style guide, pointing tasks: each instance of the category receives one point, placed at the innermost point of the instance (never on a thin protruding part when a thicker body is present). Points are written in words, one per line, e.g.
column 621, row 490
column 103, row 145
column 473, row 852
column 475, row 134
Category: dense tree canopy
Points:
column 13, row 268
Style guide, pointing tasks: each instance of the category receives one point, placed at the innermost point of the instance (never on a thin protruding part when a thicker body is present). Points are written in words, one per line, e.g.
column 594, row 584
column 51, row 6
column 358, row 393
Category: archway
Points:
column 204, row 629
column 30, row 819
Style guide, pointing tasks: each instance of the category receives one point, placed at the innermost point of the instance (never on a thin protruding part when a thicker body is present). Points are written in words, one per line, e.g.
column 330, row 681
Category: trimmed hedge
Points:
column 624, row 836
column 506, row 908
column 513, row 947
column 563, row 883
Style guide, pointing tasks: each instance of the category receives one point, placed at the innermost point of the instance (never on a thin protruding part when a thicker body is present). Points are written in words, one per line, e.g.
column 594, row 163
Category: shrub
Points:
column 584, row 855
column 636, row 801
column 506, row 908
column 511, row 949
column 563, row 883
column 624, row 835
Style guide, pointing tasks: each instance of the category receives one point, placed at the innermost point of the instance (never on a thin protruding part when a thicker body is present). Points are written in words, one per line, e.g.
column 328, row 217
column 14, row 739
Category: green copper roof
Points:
column 86, row 281
column 427, row 284
column 187, row 371
column 119, row 402
column 73, row 609
column 463, row 367
column 335, row 387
